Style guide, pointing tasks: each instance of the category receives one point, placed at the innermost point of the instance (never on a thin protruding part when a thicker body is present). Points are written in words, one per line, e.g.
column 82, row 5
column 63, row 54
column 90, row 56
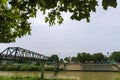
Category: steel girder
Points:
column 17, row 53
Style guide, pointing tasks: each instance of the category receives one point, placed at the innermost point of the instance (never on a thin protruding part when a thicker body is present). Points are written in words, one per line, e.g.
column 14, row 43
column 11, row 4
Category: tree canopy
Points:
column 83, row 57
column 115, row 56
column 14, row 14
column 54, row 58
column 98, row 57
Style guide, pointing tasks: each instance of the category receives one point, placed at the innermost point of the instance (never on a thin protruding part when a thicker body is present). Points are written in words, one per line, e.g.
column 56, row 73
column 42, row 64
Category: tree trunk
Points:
column 42, row 69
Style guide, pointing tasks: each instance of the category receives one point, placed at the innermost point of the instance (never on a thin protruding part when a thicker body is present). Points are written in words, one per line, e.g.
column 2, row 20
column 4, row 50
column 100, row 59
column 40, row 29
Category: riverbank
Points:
column 65, row 75
column 93, row 67
column 25, row 68
column 30, row 78
column 69, row 67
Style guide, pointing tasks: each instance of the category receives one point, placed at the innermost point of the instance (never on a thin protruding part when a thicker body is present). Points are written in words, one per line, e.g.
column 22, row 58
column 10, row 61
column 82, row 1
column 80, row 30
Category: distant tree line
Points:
column 94, row 58
column 88, row 58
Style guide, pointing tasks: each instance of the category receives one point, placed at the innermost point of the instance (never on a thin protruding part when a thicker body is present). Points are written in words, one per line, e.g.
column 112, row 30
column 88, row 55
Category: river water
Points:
column 76, row 75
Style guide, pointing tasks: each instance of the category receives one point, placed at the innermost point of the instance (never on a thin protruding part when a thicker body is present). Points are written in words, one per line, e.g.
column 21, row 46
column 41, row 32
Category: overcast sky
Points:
column 102, row 34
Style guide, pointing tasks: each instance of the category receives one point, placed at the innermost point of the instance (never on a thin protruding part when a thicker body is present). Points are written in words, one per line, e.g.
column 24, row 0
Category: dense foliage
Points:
column 98, row 57
column 115, row 56
column 82, row 57
column 14, row 14
column 95, row 58
column 53, row 59
column 87, row 57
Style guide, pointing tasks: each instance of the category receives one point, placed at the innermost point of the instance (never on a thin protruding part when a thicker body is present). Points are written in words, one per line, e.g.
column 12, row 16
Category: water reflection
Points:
column 67, row 74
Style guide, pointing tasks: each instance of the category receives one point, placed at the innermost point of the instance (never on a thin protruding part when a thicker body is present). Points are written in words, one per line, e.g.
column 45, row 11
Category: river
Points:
column 77, row 75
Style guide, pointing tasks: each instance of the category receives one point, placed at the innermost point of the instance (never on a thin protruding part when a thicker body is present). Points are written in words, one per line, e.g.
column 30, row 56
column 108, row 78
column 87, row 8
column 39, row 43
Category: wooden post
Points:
column 42, row 69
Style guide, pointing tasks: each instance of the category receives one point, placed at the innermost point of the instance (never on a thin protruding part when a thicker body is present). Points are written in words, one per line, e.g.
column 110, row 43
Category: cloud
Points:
column 100, row 35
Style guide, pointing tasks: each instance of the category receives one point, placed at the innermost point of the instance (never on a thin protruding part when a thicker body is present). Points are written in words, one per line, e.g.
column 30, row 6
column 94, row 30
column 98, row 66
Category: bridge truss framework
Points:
column 17, row 53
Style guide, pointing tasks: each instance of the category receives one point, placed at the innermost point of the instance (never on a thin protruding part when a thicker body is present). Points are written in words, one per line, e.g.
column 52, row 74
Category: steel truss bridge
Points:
column 20, row 54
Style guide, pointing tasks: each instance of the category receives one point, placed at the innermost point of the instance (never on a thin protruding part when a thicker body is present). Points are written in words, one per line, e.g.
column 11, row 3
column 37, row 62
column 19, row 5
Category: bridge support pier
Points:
column 42, row 69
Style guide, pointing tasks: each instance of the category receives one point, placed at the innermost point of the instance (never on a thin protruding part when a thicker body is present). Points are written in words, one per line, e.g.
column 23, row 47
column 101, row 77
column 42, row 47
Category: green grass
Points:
column 23, row 68
column 29, row 78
